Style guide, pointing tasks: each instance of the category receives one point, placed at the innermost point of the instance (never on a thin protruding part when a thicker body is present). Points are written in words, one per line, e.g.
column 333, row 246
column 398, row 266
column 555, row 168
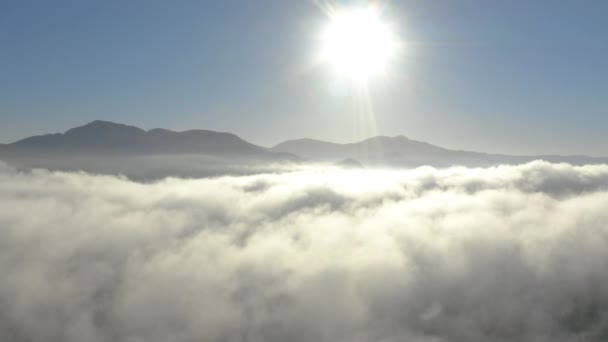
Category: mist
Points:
column 507, row 253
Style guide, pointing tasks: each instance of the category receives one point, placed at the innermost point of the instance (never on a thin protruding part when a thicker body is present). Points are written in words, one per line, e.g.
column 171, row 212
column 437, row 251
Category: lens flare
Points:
column 357, row 44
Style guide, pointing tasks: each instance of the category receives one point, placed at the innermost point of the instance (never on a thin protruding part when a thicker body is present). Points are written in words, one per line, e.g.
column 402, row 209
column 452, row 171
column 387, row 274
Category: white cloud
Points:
column 512, row 253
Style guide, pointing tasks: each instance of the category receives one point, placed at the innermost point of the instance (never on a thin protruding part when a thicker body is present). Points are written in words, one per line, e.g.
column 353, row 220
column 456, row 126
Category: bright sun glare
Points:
column 357, row 44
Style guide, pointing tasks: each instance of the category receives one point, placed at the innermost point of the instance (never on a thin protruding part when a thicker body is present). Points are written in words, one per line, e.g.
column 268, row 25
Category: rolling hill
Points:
column 112, row 148
column 400, row 151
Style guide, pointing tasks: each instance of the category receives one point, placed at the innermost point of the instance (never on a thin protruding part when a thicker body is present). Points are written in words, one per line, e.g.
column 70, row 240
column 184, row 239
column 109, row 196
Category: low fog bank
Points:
column 150, row 167
column 511, row 253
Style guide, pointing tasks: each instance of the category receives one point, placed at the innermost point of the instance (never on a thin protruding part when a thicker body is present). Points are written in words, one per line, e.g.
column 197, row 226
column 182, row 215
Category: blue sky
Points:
column 500, row 76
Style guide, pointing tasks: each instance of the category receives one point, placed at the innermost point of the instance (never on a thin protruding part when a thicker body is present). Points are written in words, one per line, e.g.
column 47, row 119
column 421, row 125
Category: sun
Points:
column 357, row 43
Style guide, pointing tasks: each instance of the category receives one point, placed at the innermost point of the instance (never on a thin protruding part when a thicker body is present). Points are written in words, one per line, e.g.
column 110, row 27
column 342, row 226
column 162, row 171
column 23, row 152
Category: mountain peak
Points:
column 102, row 122
column 106, row 136
column 98, row 126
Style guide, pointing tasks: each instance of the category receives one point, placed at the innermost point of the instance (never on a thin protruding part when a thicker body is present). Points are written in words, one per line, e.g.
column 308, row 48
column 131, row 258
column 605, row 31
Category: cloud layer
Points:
column 513, row 253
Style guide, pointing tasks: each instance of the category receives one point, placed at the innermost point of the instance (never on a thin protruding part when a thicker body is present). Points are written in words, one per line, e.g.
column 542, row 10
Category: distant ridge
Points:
column 114, row 148
column 399, row 151
column 109, row 137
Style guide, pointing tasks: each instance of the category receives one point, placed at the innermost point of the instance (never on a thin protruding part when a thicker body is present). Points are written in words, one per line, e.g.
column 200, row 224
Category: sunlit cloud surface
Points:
column 513, row 253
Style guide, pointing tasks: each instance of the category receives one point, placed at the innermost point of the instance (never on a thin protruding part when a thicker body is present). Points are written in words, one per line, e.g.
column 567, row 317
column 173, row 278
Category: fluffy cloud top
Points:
column 513, row 253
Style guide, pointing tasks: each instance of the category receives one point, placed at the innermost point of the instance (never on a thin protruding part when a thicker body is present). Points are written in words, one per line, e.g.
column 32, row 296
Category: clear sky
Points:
column 499, row 76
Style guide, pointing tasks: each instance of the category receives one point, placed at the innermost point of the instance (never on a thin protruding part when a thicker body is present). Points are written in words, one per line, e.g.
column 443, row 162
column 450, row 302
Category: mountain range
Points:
column 107, row 147
column 103, row 137
column 399, row 151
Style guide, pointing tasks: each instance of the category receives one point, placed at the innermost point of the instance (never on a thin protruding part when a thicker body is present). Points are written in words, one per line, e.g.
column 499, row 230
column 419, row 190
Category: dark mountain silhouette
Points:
column 400, row 151
column 111, row 148
column 109, row 137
